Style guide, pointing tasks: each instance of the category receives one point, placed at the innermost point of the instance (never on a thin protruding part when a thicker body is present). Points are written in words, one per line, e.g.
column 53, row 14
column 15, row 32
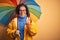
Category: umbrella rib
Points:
column 34, row 7
column 4, row 14
column 5, row 19
column 7, row 3
column 35, row 12
column 31, row 2
column 5, row 8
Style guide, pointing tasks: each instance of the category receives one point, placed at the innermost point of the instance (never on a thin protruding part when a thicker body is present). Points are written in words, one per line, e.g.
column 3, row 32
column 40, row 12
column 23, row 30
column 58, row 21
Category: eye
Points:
column 22, row 10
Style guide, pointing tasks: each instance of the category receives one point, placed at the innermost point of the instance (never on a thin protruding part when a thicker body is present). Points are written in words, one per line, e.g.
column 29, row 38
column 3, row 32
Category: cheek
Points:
column 25, row 12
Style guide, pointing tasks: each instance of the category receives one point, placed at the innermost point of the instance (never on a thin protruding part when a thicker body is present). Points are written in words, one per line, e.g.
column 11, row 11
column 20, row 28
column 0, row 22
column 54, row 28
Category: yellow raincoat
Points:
column 29, row 31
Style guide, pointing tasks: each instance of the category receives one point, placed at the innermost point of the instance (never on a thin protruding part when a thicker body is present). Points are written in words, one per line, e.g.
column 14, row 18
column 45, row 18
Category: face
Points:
column 22, row 11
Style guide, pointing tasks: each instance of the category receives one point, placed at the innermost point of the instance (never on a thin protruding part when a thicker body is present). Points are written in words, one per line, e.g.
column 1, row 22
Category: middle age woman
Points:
column 21, row 27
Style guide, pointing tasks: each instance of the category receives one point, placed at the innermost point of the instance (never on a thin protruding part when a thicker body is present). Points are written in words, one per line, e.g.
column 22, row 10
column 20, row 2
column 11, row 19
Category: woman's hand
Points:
column 17, row 32
column 28, row 22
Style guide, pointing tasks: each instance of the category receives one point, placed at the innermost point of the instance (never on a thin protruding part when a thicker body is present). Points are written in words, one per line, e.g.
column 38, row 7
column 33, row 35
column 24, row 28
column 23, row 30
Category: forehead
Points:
column 22, row 7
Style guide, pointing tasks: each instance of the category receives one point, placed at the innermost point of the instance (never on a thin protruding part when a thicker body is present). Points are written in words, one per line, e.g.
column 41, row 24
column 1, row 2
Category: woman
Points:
column 21, row 27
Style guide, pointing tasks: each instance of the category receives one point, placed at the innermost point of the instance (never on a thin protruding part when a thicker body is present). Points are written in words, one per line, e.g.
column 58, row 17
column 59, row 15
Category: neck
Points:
column 19, row 16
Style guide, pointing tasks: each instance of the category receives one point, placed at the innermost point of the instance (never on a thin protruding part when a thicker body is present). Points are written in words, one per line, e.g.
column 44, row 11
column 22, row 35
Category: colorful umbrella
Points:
column 7, row 9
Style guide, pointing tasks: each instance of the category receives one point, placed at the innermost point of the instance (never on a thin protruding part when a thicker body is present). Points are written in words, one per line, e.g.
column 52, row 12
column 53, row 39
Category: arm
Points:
column 32, row 28
column 10, row 29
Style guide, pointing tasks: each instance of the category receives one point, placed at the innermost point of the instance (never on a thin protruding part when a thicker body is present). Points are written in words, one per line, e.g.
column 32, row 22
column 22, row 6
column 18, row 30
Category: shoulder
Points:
column 13, row 20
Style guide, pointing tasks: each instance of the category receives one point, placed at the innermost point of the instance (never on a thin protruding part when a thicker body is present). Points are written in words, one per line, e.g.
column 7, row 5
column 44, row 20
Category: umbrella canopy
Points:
column 7, row 9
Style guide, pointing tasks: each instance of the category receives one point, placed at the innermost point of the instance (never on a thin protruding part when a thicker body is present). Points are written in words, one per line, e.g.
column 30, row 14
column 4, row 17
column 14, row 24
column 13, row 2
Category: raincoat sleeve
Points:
column 10, row 29
column 32, row 29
